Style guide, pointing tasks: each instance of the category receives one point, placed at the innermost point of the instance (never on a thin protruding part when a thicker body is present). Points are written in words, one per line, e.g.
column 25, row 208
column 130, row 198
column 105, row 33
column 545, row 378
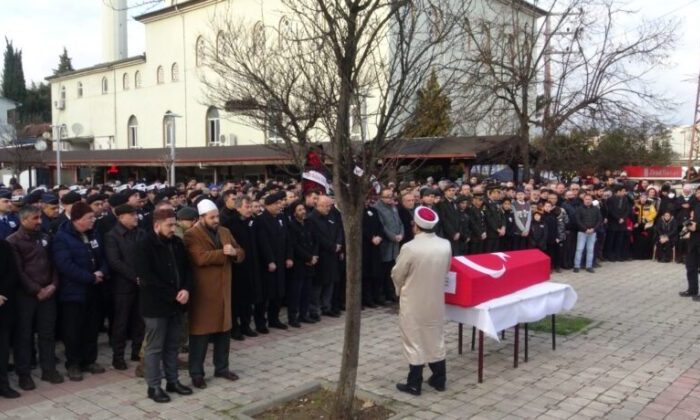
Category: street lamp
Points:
column 170, row 125
column 60, row 128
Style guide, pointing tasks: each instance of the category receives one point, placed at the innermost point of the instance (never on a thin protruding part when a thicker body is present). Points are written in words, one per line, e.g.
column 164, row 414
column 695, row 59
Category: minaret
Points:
column 114, row 40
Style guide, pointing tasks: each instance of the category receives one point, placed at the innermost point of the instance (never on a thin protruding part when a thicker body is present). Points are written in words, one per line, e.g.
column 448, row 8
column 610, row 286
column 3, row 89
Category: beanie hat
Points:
column 79, row 210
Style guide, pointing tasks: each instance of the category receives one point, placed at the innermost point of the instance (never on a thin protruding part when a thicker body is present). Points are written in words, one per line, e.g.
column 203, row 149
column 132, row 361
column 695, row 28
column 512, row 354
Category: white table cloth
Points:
column 524, row 306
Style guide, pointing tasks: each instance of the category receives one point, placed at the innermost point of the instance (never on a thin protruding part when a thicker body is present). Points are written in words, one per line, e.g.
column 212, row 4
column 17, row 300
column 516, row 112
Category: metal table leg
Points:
column 460, row 338
column 526, row 342
column 516, row 345
column 481, row 356
column 473, row 337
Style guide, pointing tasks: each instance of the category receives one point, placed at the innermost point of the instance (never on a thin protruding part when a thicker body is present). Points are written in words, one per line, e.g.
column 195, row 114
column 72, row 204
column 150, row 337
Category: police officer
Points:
column 49, row 211
column 477, row 224
column 8, row 219
column 495, row 221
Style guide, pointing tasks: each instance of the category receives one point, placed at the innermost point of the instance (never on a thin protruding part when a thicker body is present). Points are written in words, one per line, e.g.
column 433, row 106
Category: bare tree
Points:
column 346, row 71
column 591, row 72
column 18, row 152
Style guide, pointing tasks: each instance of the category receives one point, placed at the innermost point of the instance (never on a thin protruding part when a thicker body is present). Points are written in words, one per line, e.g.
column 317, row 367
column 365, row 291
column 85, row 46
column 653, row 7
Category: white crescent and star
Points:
column 493, row 273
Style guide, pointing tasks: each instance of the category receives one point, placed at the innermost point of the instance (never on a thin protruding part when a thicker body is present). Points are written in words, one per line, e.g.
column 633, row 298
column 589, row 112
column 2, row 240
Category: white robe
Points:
column 419, row 278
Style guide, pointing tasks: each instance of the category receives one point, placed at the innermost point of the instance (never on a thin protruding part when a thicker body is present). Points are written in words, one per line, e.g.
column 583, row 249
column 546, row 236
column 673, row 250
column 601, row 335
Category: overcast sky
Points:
column 41, row 28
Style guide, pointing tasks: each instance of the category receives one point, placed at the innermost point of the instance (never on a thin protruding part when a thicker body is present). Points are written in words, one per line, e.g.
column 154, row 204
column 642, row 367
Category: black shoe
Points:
column 178, row 388
column 307, row 320
column 26, row 383
column 248, row 332
column 315, row 317
column 686, row 293
column 199, row 383
column 74, row 373
column 135, row 357
column 590, row 270
column 262, row 330
column 279, row 325
column 158, row 395
column 228, row 375
column 237, row 335
column 438, row 387
column 7, row 392
column 332, row 314
column 94, row 368
column 119, row 364
column 52, row 377
column 295, row 324
column 408, row 389
column 576, row 270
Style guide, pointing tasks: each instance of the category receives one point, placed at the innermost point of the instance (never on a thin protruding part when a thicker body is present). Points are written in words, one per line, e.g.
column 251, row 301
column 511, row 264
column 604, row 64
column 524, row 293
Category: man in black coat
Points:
column 165, row 276
column 328, row 232
column 275, row 256
column 495, row 222
column 119, row 248
column 477, row 225
column 619, row 210
column 300, row 276
column 372, row 280
column 405, row 208
column 237, row 216
column 449, row 217
column 8, row 290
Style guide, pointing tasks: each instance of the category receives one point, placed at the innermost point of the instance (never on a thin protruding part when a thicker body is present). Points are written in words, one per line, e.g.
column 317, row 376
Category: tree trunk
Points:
column 352, row 224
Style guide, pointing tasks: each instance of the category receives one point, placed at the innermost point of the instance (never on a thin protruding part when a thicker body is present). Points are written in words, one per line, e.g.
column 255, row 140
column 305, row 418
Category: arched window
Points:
column 199, row 51
column 175, row 73
column 160, row 75
column 137, row 80
column 213, row 129
column 105, row 86
column 63, row 93
column 125, row 81
column 258, row 37
column 168, row 130
column 133, row 131
column 285, row 30
column 80, row 89
column 220, row 45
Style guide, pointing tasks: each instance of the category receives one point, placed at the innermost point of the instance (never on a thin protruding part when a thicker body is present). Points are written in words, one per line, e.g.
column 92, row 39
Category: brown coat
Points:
column 210, row 300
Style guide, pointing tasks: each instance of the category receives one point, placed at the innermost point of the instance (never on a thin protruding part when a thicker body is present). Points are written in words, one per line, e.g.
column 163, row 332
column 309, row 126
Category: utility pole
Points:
column 693, row 152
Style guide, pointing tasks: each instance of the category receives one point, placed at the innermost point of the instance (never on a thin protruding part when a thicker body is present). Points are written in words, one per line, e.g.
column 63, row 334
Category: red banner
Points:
column 659, row 172
column 474, row 279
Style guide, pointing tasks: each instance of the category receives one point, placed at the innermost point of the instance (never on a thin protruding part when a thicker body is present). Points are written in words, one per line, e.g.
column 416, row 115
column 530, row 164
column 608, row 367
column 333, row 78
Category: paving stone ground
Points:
column 640, row 359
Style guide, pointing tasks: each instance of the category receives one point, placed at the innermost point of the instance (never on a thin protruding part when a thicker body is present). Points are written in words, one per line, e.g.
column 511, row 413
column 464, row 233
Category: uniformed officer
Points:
column 495, row 221
column 8, row 219
column 49, row 211
column 477, row 225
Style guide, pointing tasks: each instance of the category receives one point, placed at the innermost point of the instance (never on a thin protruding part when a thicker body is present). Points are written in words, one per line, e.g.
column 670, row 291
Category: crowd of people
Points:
column 170, row 269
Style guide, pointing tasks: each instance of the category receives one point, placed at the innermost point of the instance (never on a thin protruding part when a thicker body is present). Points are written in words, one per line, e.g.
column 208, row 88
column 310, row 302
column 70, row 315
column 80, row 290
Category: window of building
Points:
column 105, row 85
column 80, row 90
column 160, row 75
column 258, row 37
column 168, row 130
column 175, row 72
column 199, row 51
column 285, row 30
column 63, row 93
column 125, row 81
column 137, row 80
column 133, row 131
column 273, row 121
column 213, row 126
column 356, row 120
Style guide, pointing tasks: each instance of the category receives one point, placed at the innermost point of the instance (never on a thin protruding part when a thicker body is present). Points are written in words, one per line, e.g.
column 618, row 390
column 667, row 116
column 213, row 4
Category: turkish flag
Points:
column 474, row 279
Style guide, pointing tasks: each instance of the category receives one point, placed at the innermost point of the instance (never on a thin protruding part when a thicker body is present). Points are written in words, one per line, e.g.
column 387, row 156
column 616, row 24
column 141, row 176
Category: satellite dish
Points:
column 40, row 145
column 77, row 129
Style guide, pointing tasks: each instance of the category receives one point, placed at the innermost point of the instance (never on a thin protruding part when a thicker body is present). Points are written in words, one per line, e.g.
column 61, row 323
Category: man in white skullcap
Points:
column 419, row 278
column 212, row 251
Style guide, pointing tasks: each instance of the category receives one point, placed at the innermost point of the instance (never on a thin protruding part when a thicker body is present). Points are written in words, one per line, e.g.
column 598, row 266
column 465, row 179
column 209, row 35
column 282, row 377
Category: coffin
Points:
column 474, row 279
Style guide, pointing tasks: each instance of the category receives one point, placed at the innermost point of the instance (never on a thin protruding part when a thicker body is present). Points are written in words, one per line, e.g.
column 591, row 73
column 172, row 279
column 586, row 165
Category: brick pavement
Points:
column 640, row 360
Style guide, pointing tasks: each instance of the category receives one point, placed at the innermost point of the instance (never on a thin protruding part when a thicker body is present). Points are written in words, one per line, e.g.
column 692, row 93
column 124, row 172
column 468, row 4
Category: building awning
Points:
column 476, row 149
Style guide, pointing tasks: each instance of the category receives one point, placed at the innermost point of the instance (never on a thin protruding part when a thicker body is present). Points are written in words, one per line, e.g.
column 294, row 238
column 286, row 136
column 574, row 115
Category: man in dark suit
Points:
column 449, row 217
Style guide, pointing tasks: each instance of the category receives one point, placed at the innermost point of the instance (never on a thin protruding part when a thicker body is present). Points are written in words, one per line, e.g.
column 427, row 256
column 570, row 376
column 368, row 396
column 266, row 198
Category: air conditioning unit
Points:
column 60, row 104
column 222, row 140
column 232, row 140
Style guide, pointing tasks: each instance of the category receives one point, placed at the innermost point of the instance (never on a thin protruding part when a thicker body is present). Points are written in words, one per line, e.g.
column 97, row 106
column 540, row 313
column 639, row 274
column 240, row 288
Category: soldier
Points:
column 449, row 217
column 464, row 224
column 477, row 225
column 495, row 221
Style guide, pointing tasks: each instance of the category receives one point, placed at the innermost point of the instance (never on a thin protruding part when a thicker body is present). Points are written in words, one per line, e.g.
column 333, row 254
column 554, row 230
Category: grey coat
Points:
column 392, row 225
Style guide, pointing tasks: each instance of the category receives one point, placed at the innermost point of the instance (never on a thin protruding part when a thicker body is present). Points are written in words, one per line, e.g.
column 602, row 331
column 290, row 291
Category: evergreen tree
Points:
column 431, row 117
column 13, row 84
column 65, row 63
column 36, row 108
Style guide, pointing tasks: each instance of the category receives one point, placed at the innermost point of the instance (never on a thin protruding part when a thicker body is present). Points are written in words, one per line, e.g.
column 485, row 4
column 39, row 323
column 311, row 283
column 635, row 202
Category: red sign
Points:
column 660, row 172
column 474, row 279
